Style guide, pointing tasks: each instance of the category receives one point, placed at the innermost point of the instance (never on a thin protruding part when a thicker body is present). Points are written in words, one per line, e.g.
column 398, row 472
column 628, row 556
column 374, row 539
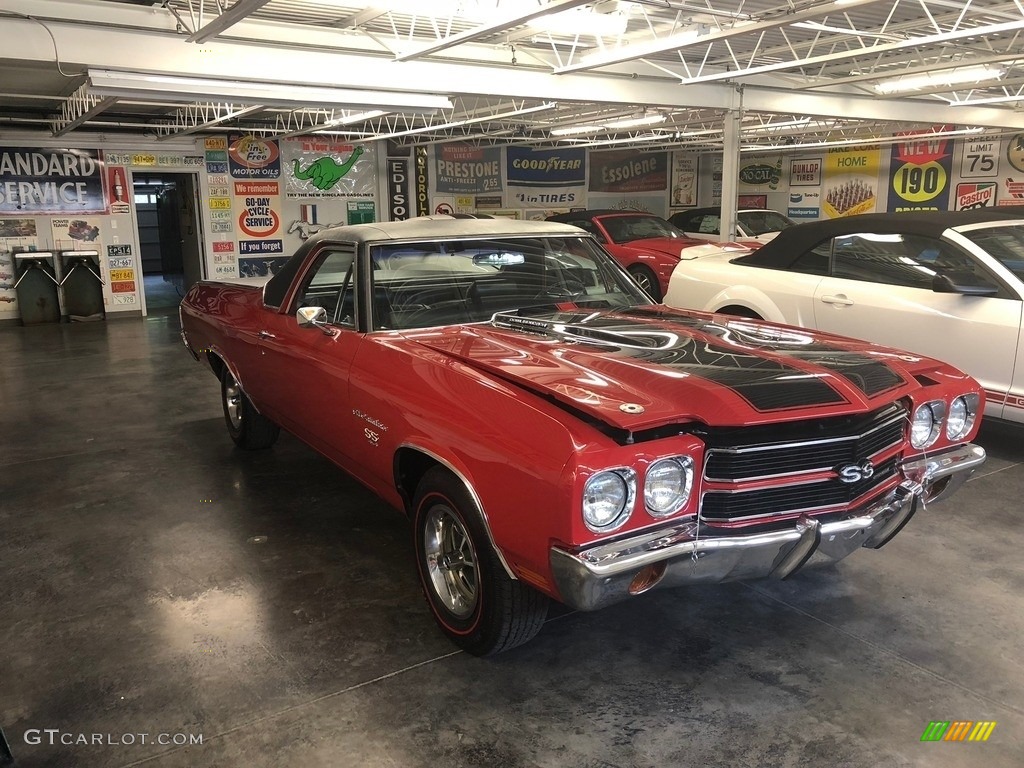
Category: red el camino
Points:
column 554, row 435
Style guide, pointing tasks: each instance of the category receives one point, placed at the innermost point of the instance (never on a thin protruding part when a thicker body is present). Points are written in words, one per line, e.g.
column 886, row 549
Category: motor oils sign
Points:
column 250, row 157
column 258, row 219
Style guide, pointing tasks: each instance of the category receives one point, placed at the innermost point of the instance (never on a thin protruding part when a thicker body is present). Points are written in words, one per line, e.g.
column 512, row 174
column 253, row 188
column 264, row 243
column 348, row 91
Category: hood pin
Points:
column 631, row 408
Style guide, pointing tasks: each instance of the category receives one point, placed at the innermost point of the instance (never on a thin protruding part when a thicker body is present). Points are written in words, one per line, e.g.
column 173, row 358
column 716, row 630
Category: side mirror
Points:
column 963, row 282
column 314, row 317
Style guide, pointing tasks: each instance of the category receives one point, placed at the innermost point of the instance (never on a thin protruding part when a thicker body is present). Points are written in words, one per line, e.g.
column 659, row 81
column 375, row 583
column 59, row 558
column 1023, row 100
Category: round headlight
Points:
column 606, row 501
column 962, row 413
column 667, row 485
column 924, row 430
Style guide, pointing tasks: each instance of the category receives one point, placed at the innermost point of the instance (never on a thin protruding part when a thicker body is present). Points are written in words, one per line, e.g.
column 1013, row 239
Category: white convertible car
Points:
column 948, row 285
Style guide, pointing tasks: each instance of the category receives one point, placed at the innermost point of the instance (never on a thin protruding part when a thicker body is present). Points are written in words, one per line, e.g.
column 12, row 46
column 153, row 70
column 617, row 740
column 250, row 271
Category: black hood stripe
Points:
column 868, row 374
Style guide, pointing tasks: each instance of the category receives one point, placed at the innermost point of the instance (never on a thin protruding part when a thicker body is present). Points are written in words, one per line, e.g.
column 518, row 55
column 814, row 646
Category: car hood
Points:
column 646, row 367
column 671, row 246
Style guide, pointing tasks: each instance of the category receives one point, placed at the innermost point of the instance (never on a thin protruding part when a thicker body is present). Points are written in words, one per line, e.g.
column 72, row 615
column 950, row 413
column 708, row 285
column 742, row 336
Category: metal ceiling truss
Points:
column 78, row 109
column 193, row 118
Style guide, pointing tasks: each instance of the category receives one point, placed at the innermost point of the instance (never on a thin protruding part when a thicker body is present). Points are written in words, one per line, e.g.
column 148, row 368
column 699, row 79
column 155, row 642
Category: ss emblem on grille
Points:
column 854, row 473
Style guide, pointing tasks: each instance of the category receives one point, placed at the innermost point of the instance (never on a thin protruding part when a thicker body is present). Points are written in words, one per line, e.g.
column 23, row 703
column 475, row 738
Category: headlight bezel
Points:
column 970, row 401
column 686, row 466
column 627, row 475
column 936, row 410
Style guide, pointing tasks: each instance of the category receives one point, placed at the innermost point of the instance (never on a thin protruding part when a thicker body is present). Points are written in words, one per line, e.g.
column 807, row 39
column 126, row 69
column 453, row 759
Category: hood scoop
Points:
column 585, row 334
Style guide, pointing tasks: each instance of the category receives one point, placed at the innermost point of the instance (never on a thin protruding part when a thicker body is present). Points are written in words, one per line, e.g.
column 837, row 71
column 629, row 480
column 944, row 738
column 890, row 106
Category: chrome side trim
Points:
column 473, row 494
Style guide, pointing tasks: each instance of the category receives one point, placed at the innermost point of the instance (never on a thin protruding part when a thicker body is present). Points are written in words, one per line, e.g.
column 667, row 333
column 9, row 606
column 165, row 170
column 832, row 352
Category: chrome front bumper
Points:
column 607, row 573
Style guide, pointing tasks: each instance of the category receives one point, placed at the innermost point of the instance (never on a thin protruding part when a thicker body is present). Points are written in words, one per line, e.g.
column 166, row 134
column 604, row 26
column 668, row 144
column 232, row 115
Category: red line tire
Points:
column 473, row 599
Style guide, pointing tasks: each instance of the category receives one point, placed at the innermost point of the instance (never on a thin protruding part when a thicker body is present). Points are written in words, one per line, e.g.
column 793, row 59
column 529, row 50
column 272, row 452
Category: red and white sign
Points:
column 978, row 195
column 258, row 219
column 223, row 246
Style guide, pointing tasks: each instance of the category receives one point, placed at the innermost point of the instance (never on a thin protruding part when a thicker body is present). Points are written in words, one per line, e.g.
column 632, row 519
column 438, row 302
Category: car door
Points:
column 306, row 370
column 880, row 289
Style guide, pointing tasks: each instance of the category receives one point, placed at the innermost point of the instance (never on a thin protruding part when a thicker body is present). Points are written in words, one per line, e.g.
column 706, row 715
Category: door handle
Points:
column 266, row 335
column 840, row 300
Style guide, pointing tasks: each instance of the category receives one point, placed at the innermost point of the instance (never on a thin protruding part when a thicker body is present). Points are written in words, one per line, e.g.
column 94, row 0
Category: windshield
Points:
column 429, row 284
column 1004, row 243
column 763, row 222
column 624, row 229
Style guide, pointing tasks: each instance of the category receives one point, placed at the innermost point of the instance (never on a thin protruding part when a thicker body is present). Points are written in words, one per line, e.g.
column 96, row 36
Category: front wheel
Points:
column 646, row 279
column 473, row 599
column 247, row 428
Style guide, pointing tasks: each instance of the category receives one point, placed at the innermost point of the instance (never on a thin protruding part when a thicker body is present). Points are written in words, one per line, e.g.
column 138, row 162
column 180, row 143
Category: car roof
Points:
column 439, row 227
column 796, row 240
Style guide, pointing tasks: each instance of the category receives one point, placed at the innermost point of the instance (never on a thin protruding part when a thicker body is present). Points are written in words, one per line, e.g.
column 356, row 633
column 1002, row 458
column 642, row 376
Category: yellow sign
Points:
column 140, row 159
column 220, row 203
column 216, row 142
column 122, row 274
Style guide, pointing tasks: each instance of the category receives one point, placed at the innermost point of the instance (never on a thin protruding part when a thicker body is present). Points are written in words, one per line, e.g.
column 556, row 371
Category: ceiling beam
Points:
column 164, row 51
column 228, row 18
column 78, row 108
column 691, row 36
column 496, row 25
column 939, row 38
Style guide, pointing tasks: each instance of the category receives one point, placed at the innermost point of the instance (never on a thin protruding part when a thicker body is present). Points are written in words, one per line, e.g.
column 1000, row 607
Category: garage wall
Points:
column 259, row 199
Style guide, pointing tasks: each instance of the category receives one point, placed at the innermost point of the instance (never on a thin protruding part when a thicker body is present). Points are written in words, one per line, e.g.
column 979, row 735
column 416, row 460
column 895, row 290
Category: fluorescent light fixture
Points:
column 636, row 122
column 178, row 88
column 609, row 142
column 944, row 77
column 469, row 121
column 576, row 129
column 917, row 137
column 988, row 100
column 582, row 22
column 768, row 127
column 819, row 27
column 335, row 123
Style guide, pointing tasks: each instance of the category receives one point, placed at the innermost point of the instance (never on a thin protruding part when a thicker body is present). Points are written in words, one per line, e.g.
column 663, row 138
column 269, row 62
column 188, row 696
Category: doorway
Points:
column 170, row 241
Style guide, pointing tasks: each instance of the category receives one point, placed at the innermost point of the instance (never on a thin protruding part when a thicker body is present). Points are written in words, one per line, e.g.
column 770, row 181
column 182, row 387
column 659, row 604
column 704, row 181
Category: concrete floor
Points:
column 155, row 580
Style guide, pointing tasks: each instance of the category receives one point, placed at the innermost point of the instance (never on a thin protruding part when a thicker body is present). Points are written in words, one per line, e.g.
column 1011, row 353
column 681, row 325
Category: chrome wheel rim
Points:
column 643, row 280
column 233, row 403
column 451, row 561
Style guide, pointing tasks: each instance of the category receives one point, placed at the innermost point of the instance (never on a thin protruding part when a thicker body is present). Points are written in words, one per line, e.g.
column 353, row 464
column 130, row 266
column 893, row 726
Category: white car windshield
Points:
column 762, row 222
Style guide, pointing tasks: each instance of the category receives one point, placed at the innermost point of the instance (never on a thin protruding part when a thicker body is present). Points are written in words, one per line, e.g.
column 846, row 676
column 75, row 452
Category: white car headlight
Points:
column 608, row 499
column 963, row 412
column 667, row 485
column 927, row 424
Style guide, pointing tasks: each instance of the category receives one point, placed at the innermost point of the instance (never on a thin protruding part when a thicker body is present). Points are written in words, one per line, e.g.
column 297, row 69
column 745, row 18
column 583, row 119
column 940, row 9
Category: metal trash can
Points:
column 36, row 287
column 81, row 286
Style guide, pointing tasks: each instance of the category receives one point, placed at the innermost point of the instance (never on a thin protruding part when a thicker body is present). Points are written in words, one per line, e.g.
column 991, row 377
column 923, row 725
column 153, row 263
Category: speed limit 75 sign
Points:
column 979, row 159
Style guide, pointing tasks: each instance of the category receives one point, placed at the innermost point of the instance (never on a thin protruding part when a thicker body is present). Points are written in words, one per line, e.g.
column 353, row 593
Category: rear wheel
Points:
column 646, row 279
column 473, row 599
column 247, row 428
column 738, row 311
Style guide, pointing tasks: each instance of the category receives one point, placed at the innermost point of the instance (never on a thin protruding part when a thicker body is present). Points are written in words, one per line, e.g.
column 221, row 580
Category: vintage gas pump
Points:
column 81, row 285
column 36, row 287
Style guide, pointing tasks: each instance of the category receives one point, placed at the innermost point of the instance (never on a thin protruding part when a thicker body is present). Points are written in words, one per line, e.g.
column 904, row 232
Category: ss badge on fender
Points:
column 372, row 436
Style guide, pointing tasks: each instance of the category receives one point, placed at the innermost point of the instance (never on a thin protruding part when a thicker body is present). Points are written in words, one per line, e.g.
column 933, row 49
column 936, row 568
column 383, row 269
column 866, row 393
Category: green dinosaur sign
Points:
column 324, row 172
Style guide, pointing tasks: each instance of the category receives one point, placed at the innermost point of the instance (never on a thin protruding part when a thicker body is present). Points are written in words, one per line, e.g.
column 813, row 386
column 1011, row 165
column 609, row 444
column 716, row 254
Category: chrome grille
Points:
column 745, row 471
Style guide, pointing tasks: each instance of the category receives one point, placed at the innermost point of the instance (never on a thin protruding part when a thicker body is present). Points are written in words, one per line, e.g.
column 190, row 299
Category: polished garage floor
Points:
column 155, row 580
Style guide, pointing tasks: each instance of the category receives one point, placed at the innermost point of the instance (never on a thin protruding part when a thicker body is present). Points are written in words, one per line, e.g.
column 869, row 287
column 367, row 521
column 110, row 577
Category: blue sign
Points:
column 528, row 167
column 50, row 181
column 260, row 246
column 216, row 167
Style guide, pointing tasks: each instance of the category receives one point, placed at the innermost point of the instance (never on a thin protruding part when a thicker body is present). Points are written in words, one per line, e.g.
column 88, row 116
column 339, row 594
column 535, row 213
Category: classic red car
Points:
column 554, row 434
column 645, row 244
